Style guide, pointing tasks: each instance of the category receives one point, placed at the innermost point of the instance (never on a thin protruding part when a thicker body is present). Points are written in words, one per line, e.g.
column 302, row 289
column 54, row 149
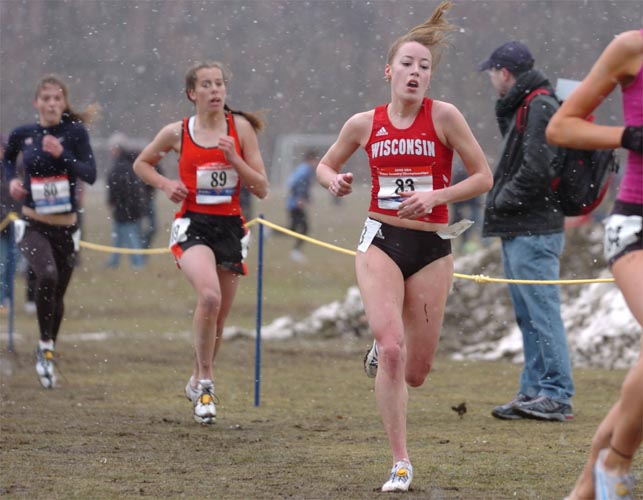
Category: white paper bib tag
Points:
column 620, row 232
column 215, row 183
column 395, row 180
column 51, row 195
column 178, row 233
column 371, row 228
column 455, row 230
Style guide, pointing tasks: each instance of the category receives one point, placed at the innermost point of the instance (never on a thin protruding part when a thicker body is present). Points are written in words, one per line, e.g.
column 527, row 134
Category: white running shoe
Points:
column 401, row 477
column 205, row 412
column 609, row 486
column 370, row 361
column 298, row 256
column 45, row 368
column 190, row 392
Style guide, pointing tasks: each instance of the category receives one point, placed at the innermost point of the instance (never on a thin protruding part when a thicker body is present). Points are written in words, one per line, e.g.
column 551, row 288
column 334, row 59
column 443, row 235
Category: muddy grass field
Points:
column 119, row 425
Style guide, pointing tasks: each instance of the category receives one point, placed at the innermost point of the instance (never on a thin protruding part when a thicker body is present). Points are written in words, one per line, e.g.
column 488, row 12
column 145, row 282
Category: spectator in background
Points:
column 245, row 200
column 299, row 198
column 149, row 222
column 524, row 212
column 80, row 200
column 466, row 209
column 7, row 205
column 126, row 198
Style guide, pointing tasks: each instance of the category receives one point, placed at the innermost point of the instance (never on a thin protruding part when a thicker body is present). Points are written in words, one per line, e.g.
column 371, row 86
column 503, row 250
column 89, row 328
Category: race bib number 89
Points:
column 215, row 183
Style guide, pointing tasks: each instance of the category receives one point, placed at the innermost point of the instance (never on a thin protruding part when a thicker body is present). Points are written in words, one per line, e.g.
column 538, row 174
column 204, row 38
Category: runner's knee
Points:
column 210, row 299
column 416, row 375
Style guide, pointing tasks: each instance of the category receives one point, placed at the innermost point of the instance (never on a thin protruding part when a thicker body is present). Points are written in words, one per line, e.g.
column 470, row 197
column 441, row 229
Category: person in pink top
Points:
column 404, row 264
column 606, row 474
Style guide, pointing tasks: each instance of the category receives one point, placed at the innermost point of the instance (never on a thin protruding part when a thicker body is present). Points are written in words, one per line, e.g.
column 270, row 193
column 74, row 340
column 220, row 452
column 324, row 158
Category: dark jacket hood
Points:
column 525, row 84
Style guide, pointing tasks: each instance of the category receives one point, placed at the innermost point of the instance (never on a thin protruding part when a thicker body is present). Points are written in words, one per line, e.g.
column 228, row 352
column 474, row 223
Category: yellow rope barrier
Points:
column 11, row 216
column 106, row 248
column 300, row 236
column 481, row 278
column 478, row 278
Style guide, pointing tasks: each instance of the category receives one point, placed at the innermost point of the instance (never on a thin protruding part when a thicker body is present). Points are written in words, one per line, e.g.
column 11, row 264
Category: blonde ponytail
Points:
column 432, row 33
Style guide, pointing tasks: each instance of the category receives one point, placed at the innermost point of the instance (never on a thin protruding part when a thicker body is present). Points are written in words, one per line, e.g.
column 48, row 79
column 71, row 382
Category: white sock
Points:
column 205, row 381
column 46, row 344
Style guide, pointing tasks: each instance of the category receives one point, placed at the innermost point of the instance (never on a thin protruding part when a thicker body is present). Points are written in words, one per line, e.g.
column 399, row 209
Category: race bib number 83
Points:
column 396, row 180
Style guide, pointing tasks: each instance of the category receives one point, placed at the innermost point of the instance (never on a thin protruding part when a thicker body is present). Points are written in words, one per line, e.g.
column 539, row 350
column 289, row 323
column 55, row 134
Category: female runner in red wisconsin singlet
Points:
column 404, row 264
column 218, row 152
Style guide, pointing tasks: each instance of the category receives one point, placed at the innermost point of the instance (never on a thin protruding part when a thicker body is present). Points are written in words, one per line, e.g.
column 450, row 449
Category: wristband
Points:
column 632, row 139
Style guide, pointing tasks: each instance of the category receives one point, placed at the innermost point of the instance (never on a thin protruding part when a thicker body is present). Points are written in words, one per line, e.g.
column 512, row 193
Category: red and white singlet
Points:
column 412, row 159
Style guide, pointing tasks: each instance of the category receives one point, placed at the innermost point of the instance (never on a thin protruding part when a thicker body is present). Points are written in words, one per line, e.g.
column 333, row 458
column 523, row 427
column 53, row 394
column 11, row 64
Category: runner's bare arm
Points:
column 354, row 134
column 618, row 63
column 168, row 139
column 250, row 168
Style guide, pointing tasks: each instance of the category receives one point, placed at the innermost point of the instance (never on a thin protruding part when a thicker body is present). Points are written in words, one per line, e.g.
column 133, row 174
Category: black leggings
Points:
column 51, row 256
column 298, row 224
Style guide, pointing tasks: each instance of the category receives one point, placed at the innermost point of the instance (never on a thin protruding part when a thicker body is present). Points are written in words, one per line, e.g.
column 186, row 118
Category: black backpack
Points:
column 582, row 176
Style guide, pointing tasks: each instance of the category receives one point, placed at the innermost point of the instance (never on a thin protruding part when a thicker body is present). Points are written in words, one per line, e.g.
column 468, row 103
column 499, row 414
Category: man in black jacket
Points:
column 126, row 197
column 524, row 212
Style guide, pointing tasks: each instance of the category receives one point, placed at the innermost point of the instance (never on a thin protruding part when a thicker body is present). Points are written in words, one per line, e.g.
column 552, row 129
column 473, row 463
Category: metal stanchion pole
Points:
column 11, row 264
column 258, row 324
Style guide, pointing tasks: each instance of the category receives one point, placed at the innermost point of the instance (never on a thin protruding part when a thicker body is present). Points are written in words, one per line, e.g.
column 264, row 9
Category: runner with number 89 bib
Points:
column 218, row 152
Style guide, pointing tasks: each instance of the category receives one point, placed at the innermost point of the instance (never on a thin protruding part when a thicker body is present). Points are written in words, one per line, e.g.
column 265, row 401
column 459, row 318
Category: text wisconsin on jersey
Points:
column 417, row 147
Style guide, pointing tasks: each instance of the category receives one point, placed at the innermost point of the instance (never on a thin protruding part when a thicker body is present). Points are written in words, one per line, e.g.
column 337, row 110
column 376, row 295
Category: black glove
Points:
column 632, row 139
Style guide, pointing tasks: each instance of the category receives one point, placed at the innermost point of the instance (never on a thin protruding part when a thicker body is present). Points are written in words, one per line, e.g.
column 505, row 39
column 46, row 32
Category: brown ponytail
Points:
column 89, row 114
column 190, row 84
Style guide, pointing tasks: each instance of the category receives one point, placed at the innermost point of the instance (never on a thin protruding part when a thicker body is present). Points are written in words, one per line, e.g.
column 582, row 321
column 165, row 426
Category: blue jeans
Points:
column 148, row 225
column 6, row 274
column 547, row 370
column 126, row 235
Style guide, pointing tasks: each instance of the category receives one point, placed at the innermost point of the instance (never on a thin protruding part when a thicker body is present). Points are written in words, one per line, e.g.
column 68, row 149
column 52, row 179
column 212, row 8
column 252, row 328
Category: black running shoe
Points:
column 544, row 408
column 506, row 411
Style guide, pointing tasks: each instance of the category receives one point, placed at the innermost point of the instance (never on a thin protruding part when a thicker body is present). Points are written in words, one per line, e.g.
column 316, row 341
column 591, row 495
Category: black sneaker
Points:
column 506, row 411
column 544, row 408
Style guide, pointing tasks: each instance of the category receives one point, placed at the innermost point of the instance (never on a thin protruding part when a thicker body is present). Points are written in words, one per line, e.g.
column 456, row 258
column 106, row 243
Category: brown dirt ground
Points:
column 119, row 426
